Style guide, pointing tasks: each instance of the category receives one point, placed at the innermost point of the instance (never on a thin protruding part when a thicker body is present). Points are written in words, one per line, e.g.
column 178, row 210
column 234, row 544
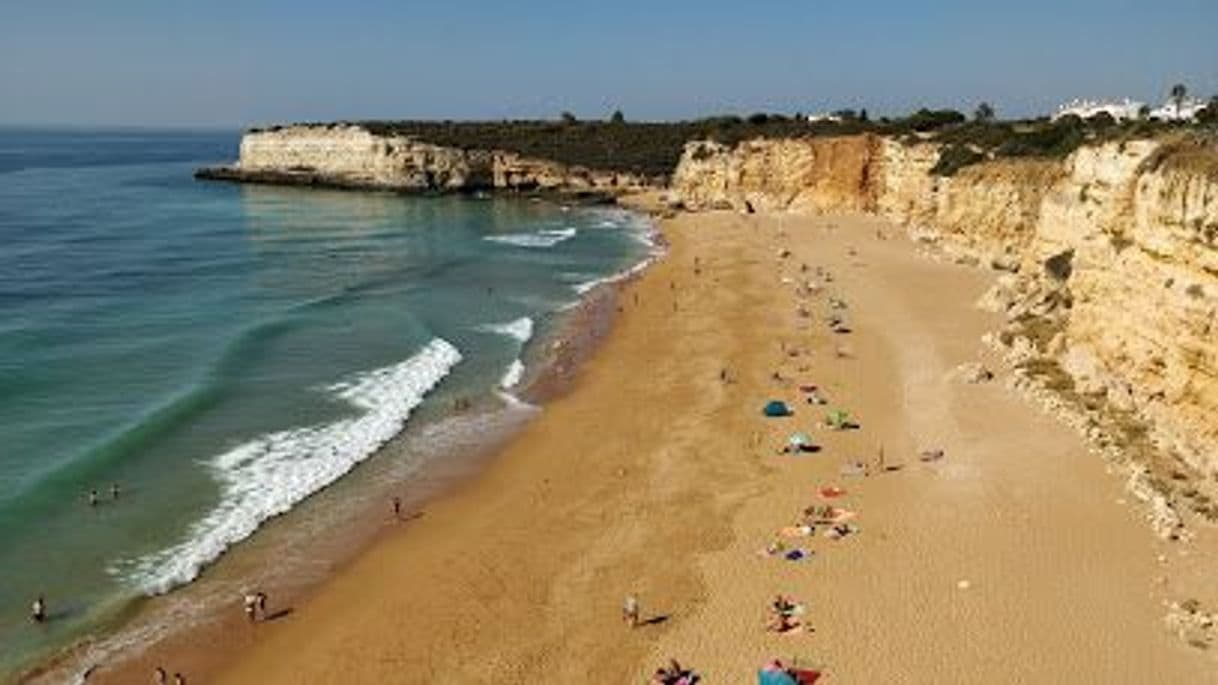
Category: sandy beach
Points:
column 1013, row 558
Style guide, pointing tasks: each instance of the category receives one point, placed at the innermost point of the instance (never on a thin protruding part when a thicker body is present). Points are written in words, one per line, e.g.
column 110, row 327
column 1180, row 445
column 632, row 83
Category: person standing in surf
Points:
column 38, row 610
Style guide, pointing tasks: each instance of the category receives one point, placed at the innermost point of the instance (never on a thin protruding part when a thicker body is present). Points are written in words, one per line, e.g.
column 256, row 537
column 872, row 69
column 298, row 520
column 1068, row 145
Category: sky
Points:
column 222, row 63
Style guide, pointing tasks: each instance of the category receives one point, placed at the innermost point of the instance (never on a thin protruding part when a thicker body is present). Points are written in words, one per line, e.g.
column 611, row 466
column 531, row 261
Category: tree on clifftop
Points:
column 618, row 117
column 568, row 118
column 1178, row 92
column 984, row 112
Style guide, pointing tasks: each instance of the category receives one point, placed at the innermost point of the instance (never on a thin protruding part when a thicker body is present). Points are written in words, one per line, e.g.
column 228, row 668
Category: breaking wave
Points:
column 541, row 239
column 266, row 477
column 521, row 329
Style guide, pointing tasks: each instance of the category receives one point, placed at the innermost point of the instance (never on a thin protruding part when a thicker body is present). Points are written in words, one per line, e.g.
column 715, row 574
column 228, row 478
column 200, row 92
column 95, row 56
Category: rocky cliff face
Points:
column 824, row 174
column 1112, row 299
column 352, row 157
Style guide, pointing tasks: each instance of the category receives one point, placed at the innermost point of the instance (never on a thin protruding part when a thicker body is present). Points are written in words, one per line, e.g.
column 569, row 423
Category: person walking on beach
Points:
column 160, row 677
column 114, row 491
column 397, row 507
column 38, row 610
column 251, row 607
column 630, row 611
column 179, row 679
column 93, row 497
column 260, row 604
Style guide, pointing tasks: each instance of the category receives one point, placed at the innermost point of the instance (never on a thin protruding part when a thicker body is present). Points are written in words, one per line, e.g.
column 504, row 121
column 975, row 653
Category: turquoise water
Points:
column 221, row 352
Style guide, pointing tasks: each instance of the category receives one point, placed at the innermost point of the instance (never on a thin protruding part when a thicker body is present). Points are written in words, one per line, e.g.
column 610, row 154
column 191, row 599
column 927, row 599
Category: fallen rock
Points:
column 973, row 372
column 1191, row 623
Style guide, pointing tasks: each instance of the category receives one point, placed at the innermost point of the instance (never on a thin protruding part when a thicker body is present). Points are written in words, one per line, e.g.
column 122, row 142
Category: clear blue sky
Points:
column 229, row 63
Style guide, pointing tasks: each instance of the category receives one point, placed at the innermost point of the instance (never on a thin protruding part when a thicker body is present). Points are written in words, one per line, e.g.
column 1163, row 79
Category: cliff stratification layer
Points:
column 1112, row 295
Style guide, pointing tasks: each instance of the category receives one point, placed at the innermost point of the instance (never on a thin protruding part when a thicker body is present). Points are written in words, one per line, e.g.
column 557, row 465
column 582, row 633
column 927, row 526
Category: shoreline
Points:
column 653, row 477
column 450, row 460
column 316, row 179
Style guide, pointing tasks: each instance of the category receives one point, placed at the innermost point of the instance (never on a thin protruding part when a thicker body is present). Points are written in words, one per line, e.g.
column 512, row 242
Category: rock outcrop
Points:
column 1112, row 299
column 350, row 156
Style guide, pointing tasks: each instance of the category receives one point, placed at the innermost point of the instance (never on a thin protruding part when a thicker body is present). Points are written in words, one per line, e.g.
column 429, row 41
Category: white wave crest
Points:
column 584, row 287
column 268, row 476
column 521, row 329
column 541, row 239
column 513, row 374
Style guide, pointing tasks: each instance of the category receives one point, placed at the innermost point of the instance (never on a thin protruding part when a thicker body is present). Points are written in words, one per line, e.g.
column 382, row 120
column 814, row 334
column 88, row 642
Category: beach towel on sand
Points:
column 791, row 676
column 805, row 676
column 831, row 491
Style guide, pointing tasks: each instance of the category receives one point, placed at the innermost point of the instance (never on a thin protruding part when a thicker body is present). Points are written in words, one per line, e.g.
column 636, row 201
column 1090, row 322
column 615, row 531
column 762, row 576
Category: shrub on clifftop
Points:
column 954, row 158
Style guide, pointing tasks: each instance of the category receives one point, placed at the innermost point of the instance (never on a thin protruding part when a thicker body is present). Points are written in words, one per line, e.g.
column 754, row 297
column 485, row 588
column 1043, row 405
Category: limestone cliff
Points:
column 1113, row 295
column 826, row 174
column 350, row 156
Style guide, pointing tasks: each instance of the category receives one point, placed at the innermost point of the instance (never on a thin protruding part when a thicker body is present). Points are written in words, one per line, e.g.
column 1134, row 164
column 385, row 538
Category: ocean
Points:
column 221, row 354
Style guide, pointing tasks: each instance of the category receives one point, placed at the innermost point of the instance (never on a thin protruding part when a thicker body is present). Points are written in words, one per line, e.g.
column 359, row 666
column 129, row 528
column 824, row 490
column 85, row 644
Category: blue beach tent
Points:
column 775, row 678
column 776, row 408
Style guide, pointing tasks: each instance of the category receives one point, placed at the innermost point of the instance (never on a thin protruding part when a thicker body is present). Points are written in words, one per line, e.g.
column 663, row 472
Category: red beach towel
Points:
column 805, row 677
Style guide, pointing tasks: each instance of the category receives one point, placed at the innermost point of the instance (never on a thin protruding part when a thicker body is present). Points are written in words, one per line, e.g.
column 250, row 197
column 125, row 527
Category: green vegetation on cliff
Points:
column 653, row 148
column 979, row 141
column 647, row 148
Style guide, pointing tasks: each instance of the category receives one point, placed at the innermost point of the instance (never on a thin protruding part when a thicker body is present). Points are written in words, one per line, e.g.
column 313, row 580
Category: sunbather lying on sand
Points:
column 824, row 515
column 781, row 623
column 855, row 468
column 931, row 455
column 673, row 674
column 840, row 530
column 783, row 605
column 783, row 615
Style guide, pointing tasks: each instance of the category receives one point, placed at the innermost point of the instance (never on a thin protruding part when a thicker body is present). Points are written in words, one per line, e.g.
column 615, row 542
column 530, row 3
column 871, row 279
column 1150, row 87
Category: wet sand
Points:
column 656, row 478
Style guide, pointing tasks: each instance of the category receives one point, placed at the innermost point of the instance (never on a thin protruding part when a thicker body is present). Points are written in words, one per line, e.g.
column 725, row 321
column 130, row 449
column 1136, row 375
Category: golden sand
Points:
column 1008, row 560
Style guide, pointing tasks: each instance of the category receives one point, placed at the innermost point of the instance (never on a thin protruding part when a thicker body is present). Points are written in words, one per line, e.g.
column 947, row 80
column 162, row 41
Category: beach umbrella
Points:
column 838, row 418
column 799, row 440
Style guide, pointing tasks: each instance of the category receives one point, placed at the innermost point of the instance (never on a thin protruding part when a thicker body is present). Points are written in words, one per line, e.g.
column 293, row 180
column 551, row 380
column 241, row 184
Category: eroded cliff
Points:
column 1112, row 295
column 350, row 156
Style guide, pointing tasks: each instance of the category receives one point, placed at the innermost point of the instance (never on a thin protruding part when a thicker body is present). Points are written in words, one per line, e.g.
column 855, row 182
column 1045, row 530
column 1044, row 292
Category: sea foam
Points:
column 541, row 239
column 268, row 476
column 515, row 371
column 520, row 330
column 639, row 229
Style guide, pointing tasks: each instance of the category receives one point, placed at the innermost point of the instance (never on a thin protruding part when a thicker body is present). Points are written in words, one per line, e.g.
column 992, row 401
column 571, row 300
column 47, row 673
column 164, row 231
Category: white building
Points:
column 1119, row 110
column 1186, row 111
column 824, row 116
